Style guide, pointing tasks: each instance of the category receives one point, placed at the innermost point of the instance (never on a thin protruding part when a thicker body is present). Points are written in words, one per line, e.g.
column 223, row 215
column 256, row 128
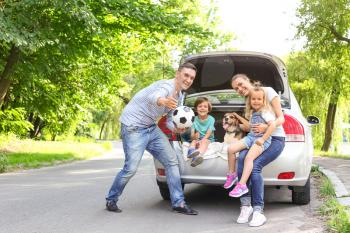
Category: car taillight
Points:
column 162, row 125
column 294, row 129
column 161, row 171
column 286, row 175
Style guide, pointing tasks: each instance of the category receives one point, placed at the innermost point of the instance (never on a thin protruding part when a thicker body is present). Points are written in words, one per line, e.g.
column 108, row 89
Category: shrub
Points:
column 3, row 162
column 13, row 121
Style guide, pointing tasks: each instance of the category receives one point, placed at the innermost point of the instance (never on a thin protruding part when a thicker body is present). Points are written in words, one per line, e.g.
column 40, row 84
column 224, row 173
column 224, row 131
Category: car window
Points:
column 224, row 97
column 285, row 102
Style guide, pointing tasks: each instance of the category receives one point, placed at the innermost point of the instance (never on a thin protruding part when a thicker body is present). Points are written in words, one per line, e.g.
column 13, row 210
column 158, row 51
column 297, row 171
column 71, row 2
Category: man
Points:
column 140, row 132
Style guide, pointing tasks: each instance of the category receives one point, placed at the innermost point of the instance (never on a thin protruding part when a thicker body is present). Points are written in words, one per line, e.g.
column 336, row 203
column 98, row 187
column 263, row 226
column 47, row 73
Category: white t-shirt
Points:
column 268, row 116
column 271, row 93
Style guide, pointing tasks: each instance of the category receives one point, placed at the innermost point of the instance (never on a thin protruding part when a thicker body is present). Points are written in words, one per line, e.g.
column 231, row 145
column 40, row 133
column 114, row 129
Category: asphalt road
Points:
column 70, row 198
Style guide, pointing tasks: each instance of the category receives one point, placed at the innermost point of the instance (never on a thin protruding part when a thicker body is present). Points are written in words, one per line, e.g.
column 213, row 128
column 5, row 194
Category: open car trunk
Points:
column 215, row 70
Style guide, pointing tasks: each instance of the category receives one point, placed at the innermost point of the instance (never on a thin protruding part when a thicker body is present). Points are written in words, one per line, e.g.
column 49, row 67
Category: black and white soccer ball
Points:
column 183, row 117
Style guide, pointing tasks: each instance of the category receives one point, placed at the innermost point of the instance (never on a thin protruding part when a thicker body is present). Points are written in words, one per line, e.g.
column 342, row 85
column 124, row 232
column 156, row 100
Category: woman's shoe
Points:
column 258, row 219
column 246, row 211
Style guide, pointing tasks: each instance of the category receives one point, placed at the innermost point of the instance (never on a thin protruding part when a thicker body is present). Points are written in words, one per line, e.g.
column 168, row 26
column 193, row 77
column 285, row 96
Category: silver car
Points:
column 215, row 70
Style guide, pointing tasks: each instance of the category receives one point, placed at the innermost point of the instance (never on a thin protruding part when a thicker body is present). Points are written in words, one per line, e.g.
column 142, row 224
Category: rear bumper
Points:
column 221, row 180
column 295, row 158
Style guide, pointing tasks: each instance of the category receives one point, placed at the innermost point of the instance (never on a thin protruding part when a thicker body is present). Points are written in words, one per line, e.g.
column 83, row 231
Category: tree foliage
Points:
column 73, row 64
column 326, row 26
column 12, row 121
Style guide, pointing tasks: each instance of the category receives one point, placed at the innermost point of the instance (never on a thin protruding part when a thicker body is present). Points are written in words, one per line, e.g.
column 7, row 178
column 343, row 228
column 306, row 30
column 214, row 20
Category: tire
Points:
column 301, row 194
column 164, row 190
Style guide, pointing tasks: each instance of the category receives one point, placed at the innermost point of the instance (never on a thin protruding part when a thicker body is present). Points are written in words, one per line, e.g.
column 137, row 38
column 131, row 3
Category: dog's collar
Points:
column 231, row 132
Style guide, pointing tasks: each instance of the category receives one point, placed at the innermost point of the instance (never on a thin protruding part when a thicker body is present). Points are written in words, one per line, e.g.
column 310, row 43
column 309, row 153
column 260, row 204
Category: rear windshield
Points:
column 224, row 97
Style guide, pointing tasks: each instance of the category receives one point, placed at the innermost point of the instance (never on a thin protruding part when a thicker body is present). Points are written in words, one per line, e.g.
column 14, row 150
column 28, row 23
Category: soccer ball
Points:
column 183, row 117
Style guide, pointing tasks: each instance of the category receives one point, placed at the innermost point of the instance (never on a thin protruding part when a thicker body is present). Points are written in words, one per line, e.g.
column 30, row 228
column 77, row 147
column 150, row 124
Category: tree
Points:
column 326, row 24
column 60, row 58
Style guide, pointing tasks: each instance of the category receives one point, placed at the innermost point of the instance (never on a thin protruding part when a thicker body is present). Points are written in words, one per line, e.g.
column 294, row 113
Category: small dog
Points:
column 231, row 125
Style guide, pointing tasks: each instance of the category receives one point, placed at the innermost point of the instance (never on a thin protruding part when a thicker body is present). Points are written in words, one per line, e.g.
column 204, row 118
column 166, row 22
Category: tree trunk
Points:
column 41, row 126
column 36, row 127
column 329, row 128
column 6, row 101
column 5, row 81
column 103, row 126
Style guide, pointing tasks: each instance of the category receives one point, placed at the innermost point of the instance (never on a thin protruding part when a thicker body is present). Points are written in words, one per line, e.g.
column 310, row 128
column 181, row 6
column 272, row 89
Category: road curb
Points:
column 341, row 193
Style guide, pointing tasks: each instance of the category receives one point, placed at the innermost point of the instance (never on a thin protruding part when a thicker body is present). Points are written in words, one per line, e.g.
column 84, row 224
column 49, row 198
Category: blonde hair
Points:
column 266, row 106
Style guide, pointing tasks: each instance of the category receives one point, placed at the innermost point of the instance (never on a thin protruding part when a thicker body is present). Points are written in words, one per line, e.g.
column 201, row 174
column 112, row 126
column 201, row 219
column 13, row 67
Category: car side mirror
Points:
column 313, row 120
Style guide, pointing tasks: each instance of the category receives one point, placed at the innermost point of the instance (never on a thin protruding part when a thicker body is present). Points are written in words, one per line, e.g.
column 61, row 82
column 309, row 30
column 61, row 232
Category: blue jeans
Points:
column 255, row 196
column 135, row 141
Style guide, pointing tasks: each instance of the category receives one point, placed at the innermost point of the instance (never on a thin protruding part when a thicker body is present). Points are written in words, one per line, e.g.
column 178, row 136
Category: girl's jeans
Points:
column 255, row 196
column 135, row 141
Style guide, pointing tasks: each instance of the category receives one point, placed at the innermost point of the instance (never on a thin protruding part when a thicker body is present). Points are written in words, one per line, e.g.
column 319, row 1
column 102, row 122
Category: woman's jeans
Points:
column 135, row 141
column 255, row 196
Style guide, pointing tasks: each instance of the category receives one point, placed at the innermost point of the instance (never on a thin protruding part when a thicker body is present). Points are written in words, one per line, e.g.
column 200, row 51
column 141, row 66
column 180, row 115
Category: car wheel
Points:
column 164, row 190
column 301, row 194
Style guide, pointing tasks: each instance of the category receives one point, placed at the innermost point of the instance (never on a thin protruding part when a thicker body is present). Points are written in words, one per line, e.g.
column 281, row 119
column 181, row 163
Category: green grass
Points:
column 337, row 215
column 331, row 154
column 23, row 154
column 327, row 189
column 338, row 218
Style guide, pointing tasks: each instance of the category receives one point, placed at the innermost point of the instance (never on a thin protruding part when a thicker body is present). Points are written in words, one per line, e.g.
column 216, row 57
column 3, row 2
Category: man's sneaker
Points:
column 112, row 206
column 231, row 179
column 196, row 161
column 239, row 190
column 257, row 220
column 185, row 209
column 246, row 211
column 192, row 153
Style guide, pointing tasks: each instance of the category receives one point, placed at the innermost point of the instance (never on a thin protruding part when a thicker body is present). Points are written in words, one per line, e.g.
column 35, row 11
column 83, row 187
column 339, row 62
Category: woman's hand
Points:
column 236, row 115
column 259, row 128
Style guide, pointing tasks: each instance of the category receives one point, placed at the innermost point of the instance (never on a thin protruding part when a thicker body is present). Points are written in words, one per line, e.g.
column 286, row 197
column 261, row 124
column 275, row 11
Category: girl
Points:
column 202, row 132
column 258, row 111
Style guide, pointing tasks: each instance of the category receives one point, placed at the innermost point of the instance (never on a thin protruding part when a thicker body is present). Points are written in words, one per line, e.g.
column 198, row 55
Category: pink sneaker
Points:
column 239, row 190
column 231, row 179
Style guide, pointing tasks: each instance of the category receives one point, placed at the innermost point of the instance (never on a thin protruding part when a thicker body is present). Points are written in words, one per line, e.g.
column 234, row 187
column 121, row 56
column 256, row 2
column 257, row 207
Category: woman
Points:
column 253, row 202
